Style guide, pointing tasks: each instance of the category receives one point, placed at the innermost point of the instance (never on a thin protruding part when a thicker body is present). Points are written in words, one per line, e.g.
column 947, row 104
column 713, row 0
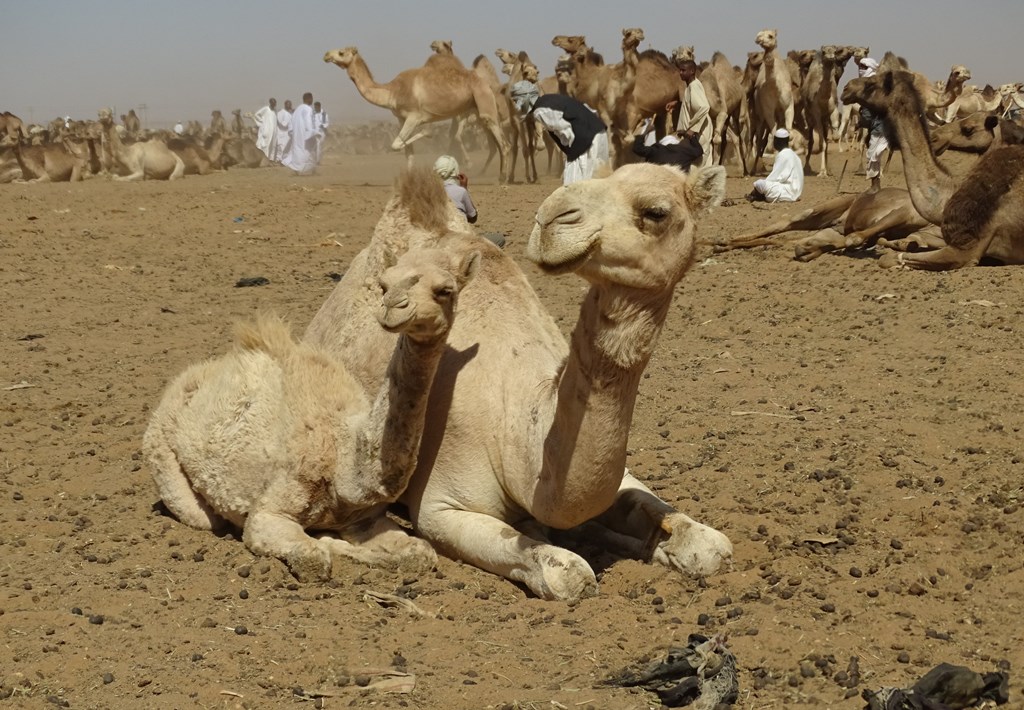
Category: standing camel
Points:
column 437, row 91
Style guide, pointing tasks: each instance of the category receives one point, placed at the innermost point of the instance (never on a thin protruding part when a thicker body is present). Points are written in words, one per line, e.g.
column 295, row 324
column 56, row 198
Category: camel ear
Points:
column 705, row 188
column 991, row 122
column 469, row 267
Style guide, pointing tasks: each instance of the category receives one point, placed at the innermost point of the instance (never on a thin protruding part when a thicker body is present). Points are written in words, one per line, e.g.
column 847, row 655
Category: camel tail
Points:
column 268, row 333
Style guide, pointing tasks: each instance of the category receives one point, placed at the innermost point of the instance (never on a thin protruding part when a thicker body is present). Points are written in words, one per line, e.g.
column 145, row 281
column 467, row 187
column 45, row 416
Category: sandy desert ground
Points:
column 856, row 432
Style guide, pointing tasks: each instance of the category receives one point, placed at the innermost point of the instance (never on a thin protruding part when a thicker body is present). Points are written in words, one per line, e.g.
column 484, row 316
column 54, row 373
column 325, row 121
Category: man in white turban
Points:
column 447, row 168
column 785, row 182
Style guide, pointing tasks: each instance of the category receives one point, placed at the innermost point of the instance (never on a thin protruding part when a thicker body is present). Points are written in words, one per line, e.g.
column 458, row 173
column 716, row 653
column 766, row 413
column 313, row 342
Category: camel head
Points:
column 860, row 53
column 973, row 134
column 632, row 37
column 106, row 117
column 767, row 39
column 531, row 73
column 569, row 43
column 958, row 75
column 506, row 56
column 886, row 93
column 216, row 114
column 564, row 69
column 342, row 57
column 682, row 54
column 442, row 46
column 634, row 228
column 829, row 52
column 843, row 54
column 420, row 290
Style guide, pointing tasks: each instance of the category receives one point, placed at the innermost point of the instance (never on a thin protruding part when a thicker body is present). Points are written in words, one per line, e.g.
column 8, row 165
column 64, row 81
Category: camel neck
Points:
column 929, row 184
column 376, row 94
column 585, row 449
column 388, row 447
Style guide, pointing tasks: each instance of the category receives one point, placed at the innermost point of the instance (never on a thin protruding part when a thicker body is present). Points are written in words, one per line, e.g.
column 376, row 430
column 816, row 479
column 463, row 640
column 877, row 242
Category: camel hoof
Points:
column 891, row 260
column 562, row 575
column 310, row 564
column 692, row 548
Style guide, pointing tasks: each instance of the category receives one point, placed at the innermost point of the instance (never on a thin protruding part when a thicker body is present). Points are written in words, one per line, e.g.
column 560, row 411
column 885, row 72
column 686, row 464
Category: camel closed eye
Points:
column 654, row 214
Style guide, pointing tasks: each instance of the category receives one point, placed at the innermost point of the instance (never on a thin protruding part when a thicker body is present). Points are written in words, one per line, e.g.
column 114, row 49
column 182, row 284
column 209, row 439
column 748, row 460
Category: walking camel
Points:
column 526, row 431
column 439, row 90
column 278, row 438
column 981, row 216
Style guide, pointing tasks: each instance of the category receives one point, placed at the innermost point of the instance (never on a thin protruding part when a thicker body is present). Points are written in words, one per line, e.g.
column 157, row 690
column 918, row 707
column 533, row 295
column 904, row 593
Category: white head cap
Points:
column 781, row 133
column 868, row 67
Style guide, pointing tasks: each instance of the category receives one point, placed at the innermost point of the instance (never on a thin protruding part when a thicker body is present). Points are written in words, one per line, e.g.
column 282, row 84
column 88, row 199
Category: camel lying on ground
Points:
column 843, row 223
column 150, row 159
column 526, row 432
column 55, row 162
column 198, row 159
column 975, row 134
column 982, row 216
column 278, row 438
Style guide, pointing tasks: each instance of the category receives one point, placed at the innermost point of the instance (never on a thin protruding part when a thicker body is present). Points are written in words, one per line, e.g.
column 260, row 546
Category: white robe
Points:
column 785, row 182
column 321, row 121
column 284, row 119
column 694, row 115
column 584, row 166
column 266, row 127
column 301, row 155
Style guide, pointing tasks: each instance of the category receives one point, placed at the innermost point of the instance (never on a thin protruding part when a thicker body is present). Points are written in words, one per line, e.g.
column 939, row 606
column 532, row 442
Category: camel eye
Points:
column 654, row 214
column 443, row 292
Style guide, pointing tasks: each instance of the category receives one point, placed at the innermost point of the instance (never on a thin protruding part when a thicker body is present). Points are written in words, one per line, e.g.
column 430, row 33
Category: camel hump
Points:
column 268, row 333
column 423, row 196
column 659, row 58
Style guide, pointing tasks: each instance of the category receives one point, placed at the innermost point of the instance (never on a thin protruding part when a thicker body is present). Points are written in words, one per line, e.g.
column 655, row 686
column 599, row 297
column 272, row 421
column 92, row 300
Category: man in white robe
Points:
column 284, row 119
column 695, row 110
column 266, row 129
column 785, row 183
column 321, row 121
column 301, row 155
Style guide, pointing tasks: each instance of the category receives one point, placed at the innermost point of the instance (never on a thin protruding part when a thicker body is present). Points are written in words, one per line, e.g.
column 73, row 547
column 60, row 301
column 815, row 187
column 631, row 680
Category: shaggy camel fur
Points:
column 524, row 430
column 439, row 90
column 278, row 438
column 150, row 159
column 846, row 222
column 982, row 216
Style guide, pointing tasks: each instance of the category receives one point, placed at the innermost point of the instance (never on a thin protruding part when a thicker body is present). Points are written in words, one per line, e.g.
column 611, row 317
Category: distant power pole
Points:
column 145, row 119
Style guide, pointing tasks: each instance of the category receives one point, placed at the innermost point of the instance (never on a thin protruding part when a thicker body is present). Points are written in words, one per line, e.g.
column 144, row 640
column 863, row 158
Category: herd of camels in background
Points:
column 798, row 91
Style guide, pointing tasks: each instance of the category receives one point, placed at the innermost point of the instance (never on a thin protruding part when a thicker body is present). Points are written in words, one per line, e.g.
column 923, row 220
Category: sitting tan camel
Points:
column 437, row 91
column 198, row 159
column 975, row 134
column 150, row 159
column 526, row 431
column 11, row 125
column 54, row 162
column 846, row 222
column 278, row 438
column 982, row 216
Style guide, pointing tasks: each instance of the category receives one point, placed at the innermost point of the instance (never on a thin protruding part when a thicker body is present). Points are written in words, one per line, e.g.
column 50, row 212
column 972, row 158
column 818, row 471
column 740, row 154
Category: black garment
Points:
column 878, row 126
column 684, row 154
column 585, row 123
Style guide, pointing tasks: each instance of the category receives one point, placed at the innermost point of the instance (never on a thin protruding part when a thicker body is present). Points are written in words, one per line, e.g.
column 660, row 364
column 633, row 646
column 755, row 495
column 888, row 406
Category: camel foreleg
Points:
column 669, row 537
column 820, row 216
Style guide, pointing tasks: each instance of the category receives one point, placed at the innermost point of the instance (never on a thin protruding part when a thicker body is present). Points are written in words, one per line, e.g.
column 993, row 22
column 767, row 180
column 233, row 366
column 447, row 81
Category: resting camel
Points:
column 434, row 92
column 54, row 162
column 150, row 159
column 975, row 134
column 525, row 430
column 972, row 101
column 845, row 222
column 277, row 438
column 981, row 216
column 199, row 159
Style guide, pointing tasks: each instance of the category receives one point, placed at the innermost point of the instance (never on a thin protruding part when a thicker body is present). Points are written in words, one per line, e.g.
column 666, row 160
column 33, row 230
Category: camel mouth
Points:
column 394, row 320
column 549, row 265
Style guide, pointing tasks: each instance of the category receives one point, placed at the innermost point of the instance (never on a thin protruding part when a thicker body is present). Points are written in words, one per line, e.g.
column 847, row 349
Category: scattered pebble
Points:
column 241, row 630
column 96, row 619
column 108, row 678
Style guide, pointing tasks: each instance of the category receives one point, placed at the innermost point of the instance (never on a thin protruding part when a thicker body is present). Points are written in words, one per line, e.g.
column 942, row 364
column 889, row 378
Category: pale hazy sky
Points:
column 183, row 58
